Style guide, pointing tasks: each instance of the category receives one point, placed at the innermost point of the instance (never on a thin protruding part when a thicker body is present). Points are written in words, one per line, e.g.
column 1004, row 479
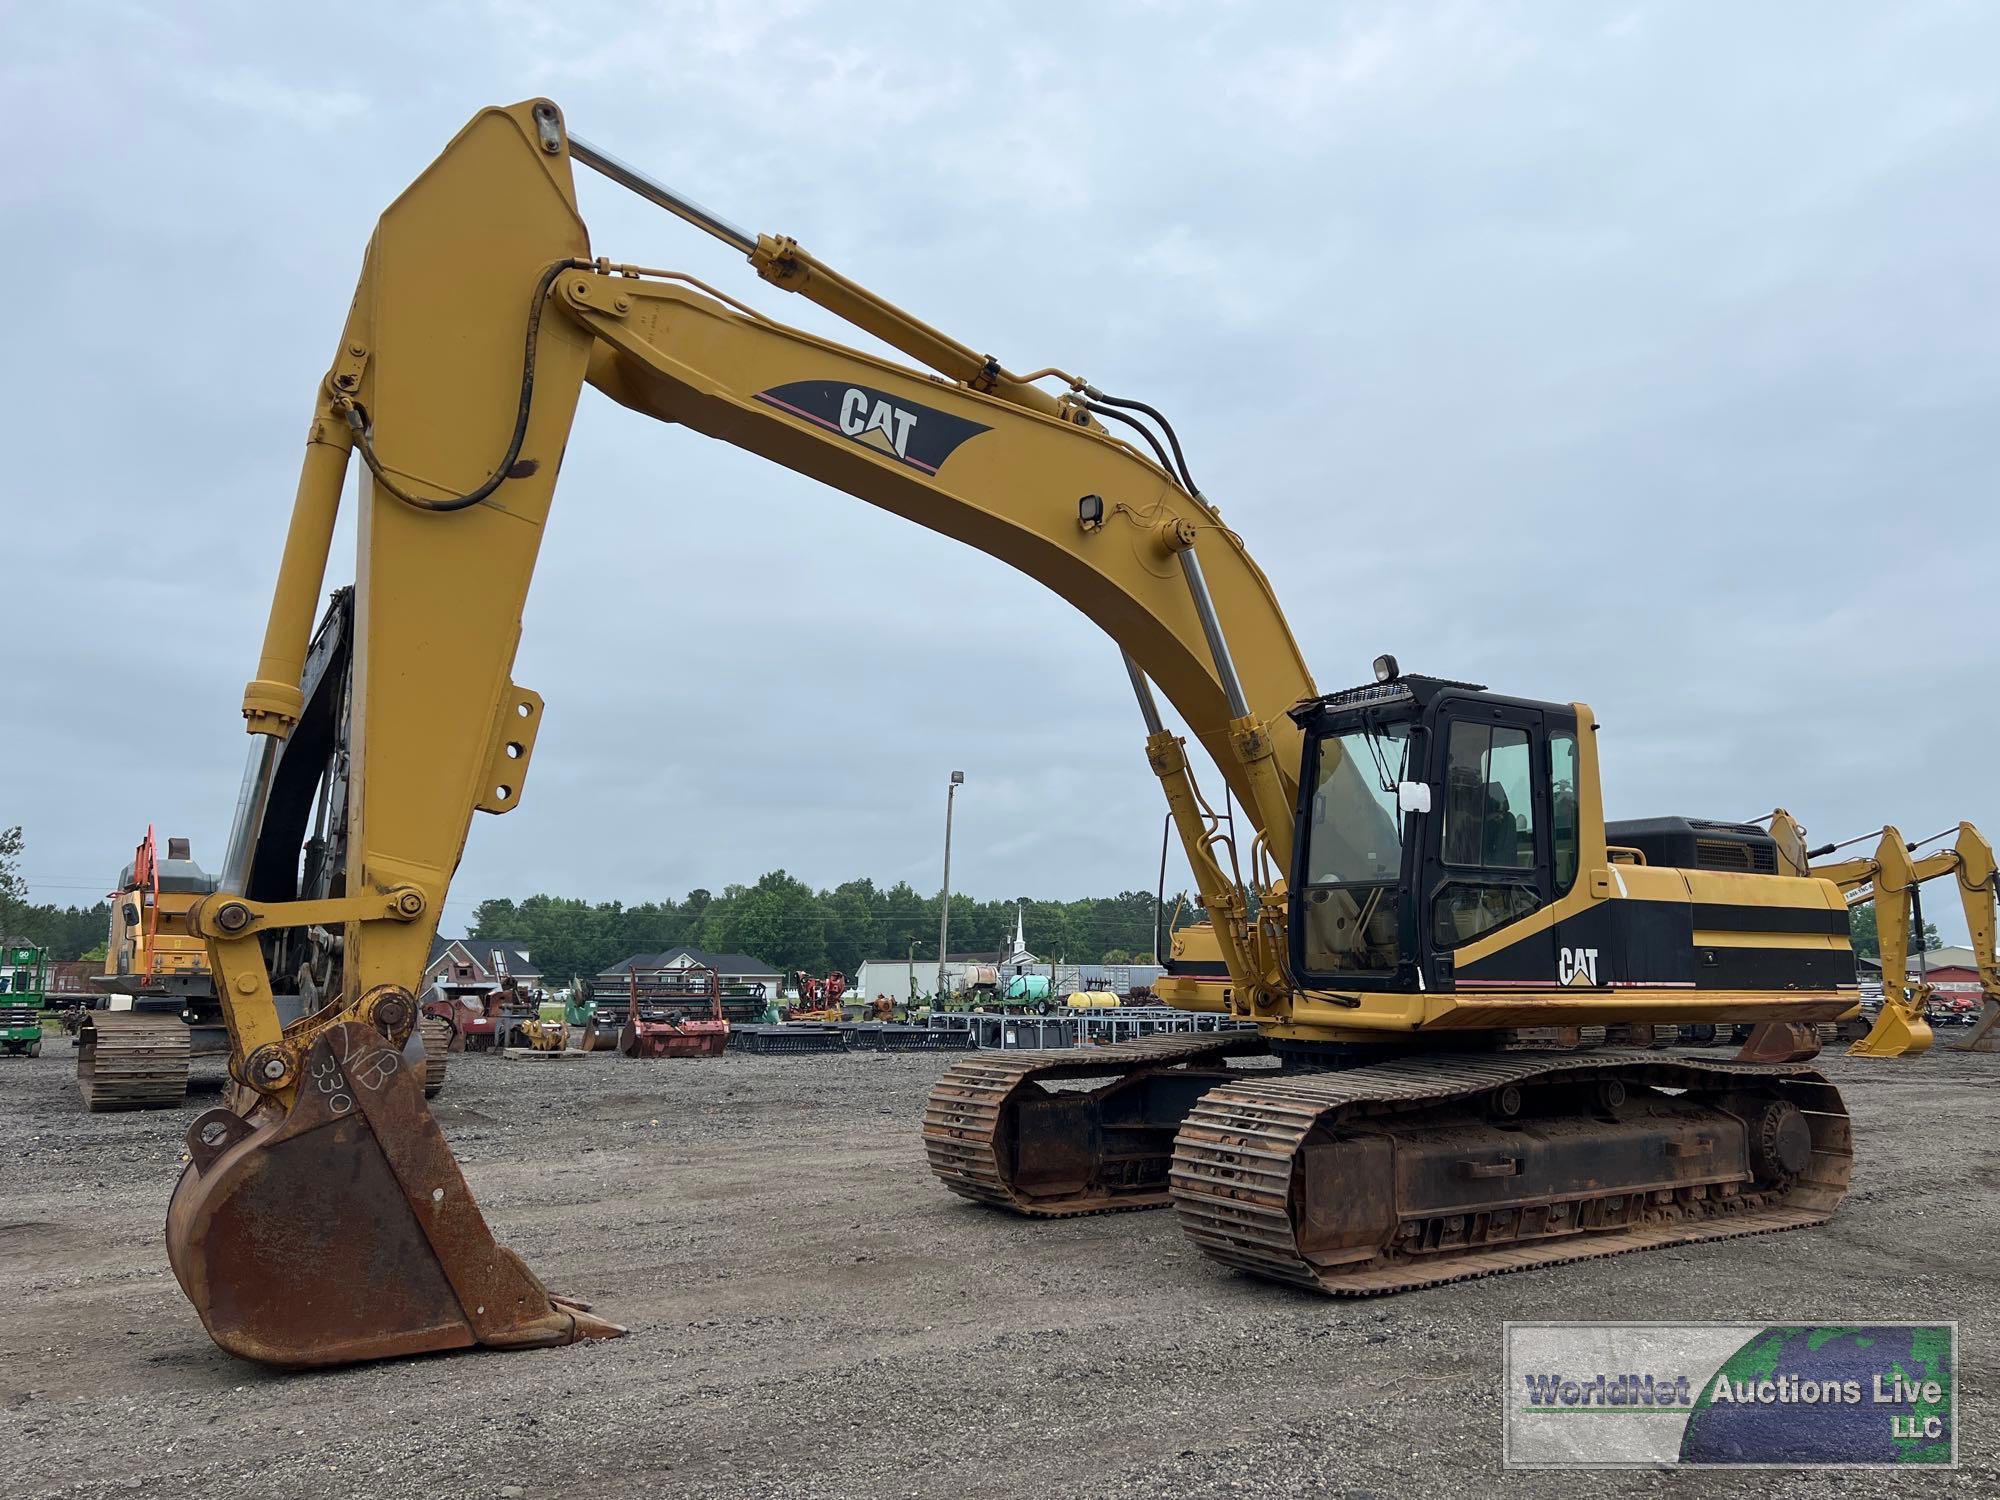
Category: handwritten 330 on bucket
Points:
column 1735, row 1395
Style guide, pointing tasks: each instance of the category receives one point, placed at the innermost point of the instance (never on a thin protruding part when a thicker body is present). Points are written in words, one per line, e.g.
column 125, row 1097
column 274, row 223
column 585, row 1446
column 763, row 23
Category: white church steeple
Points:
column 1018, row 957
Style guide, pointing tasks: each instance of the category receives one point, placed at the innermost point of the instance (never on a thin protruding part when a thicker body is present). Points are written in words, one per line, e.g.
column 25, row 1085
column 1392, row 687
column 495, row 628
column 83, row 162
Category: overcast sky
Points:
column 1642, row 355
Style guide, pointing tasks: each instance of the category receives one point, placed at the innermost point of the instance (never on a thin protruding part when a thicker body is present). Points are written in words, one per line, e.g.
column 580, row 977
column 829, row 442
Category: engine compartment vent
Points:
column 1698, row 844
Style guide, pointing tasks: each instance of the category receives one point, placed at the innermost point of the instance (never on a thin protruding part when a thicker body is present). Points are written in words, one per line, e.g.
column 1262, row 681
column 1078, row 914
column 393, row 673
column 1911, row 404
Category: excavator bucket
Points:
column 1897, row 1032
column 343, row 1230
column 1982, row 1037
column 1780, row 1042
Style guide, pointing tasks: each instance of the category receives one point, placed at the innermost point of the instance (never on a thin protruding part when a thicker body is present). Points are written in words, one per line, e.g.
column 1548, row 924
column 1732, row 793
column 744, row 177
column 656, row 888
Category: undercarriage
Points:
column 1404, row 1173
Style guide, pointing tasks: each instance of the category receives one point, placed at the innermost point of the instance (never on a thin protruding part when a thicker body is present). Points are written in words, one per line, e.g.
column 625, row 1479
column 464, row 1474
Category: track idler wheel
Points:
column 1780, row 1142
column 344, row 1230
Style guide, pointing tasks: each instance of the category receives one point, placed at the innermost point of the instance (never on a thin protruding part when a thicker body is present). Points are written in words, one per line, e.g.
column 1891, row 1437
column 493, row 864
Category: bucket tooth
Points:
column 344, row 1230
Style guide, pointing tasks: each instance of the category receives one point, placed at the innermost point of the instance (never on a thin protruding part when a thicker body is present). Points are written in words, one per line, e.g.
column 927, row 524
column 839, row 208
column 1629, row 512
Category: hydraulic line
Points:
column 1141, row 428
column 1180, row 461
column 357, row 417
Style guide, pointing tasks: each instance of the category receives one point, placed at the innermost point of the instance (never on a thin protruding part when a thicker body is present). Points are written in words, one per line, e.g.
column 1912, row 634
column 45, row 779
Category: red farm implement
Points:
column 665, row 1017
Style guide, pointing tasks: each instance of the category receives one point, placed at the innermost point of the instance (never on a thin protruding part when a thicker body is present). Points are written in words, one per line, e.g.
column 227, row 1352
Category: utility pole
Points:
column 944, row 907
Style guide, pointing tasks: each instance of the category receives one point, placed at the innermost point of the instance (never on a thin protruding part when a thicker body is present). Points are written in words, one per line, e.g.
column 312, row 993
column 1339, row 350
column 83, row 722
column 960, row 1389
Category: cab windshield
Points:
column 1357, row 833
column 1354, row 852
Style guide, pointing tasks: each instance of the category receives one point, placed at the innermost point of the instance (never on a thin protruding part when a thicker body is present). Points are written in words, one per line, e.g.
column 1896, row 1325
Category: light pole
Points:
column 944, row 907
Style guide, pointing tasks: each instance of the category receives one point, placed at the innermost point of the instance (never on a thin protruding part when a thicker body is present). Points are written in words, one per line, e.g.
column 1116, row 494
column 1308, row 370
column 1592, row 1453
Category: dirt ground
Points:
column 812, row 1315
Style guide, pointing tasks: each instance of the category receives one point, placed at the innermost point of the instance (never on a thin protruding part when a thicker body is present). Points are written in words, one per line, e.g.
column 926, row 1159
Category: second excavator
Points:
column 1892, row 879
column 1426, row 880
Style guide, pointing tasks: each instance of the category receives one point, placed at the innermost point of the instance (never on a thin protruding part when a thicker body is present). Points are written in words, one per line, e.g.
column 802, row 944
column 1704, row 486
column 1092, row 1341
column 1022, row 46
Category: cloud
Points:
column 256, row 92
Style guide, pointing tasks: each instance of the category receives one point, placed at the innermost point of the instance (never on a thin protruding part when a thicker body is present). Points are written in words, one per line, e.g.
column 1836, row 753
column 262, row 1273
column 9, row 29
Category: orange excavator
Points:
column 160, row 1007
column 1418, row 873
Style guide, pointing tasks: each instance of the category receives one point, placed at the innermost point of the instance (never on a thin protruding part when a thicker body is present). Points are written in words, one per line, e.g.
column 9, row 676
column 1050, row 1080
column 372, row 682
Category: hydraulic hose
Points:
column 357, row 415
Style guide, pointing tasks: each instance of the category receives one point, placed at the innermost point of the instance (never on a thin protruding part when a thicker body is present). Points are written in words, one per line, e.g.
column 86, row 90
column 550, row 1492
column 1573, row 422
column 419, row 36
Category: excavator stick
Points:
column 1900, row 1029
column 1978, row 885
column 395, row 1258
column 327, row 1221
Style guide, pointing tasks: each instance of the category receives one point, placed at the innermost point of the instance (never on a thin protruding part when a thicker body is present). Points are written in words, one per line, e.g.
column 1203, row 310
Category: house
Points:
column 739, row 971
column 482, row 961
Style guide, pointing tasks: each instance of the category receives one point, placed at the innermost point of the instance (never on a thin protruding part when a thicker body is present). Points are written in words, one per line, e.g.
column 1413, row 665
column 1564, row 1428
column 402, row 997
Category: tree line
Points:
column 780, row 919
column 68, row 932
column 789, row 925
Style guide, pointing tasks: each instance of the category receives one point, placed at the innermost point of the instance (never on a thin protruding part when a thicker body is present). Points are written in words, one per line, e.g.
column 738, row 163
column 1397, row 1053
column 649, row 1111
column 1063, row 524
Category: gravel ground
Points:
column 811, row 1315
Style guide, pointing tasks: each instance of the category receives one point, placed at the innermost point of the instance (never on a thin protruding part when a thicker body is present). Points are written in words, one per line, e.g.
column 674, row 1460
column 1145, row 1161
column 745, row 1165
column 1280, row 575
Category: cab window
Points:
column 1351, row 904
column 1488, row 835
column 1489, row 800
column 1563, row 807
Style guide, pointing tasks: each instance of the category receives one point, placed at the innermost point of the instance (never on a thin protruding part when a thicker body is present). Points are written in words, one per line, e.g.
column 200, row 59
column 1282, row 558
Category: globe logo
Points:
column 1819, row 1395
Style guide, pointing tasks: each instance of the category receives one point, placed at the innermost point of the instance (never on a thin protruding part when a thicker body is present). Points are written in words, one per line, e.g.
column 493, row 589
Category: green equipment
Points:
column 24, row 984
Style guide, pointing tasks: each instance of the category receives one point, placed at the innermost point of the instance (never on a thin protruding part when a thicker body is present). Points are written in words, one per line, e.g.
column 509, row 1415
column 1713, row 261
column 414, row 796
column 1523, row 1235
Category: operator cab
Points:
column 1431, row 813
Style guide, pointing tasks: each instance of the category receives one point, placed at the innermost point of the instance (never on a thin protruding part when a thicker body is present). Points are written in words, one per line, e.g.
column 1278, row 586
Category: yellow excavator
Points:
column 1424, row 879
column 160, row 1003
column 1892, row 877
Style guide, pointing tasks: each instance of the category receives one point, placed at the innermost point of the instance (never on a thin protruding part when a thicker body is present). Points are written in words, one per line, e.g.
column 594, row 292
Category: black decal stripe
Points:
column 1712, row 916
column 770, row 400
column 926, row 435
column 1773, row 968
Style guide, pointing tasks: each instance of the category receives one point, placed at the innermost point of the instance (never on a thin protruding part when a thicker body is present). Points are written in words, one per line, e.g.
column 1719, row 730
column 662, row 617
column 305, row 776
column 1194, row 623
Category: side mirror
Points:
column 131, row 914
column 1413, row 796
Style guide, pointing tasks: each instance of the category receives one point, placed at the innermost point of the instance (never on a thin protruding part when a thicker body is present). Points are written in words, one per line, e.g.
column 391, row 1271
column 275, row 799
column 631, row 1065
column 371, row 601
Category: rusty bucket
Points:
column 343, row 1230
column 1780, row 1042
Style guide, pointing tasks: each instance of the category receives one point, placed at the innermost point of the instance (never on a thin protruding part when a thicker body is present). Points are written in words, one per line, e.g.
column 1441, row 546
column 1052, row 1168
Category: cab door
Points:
column 1487, row 858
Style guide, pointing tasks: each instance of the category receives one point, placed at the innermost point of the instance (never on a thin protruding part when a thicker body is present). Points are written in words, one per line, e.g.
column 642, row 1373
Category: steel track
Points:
column 132, row 1060
column 1235, row 1157
column 966, row 1115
